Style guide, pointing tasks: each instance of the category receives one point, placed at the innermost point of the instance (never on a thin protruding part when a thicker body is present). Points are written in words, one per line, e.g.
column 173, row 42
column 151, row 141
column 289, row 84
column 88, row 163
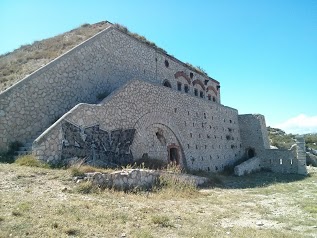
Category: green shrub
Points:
column 163, row 221
column 30, row 160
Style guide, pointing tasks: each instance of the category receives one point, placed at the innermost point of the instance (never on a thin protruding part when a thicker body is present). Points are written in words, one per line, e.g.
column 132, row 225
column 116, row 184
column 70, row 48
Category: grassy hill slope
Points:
column 15, row 65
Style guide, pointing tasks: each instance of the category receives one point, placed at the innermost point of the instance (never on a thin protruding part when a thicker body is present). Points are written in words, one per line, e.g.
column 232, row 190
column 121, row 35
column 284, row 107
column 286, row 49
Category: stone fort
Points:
column 155, row 107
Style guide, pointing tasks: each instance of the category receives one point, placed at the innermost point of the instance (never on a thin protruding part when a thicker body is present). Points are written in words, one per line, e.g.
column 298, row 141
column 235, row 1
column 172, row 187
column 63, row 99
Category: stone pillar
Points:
column 301, row 155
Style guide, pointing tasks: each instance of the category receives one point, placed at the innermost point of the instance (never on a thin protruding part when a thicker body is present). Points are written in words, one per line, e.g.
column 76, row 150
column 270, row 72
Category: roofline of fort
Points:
column 164, row 53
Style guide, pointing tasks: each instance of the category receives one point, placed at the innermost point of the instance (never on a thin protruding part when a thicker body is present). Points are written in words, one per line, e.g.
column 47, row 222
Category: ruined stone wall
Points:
column 205, row 134
column 253, row 133
column 101, row 64
column 280, row 161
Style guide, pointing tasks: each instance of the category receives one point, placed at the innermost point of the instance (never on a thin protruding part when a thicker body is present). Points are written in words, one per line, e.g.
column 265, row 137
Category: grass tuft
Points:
column 82, row 169
column 86, row 188
column 30, row 160
column 163, row 221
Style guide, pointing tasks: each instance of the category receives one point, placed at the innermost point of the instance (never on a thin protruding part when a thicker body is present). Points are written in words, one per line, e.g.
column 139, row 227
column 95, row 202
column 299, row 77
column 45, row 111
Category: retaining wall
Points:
column 205, row 134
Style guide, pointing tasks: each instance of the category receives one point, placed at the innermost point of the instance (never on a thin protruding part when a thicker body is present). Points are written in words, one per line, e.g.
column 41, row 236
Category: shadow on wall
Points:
column 259, row 179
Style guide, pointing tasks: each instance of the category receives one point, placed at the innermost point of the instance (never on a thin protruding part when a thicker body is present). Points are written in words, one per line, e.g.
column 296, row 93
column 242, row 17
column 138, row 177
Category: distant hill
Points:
column 15, row 65
column 281, row 140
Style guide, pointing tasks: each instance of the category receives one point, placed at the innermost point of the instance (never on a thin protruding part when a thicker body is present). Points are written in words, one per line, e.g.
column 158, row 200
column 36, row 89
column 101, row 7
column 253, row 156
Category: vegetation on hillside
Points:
column 15, row 65
column 280, row 139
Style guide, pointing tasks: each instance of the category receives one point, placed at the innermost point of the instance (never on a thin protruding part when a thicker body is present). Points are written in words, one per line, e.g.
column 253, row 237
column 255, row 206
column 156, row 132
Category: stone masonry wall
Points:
column 205, row 134
column 253, row 133
column 280, row 161
column 101, row 64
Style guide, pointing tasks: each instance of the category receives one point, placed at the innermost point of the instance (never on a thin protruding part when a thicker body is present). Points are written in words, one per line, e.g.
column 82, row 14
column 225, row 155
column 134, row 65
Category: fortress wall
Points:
column 206, row 134
column 101, row 64
column 253, row 132
column 280, row 161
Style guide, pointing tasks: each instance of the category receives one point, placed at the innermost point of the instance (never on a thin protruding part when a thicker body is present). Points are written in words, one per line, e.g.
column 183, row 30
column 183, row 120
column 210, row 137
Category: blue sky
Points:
column 264, row 53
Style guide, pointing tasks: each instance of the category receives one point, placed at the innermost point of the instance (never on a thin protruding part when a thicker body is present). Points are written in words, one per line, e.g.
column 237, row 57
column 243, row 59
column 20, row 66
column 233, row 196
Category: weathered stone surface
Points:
column 131, row 179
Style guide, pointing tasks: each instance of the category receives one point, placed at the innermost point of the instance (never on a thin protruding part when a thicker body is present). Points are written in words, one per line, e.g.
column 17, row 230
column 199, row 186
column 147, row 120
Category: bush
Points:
column 168, row 185
column 30, row 160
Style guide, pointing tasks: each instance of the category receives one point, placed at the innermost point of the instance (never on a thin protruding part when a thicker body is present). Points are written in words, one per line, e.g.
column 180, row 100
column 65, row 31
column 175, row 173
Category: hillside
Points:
column 281, row 140
column 15, row 65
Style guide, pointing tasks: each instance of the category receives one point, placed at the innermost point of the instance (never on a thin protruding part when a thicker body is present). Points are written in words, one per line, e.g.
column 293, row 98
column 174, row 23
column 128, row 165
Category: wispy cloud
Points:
column 300, row 124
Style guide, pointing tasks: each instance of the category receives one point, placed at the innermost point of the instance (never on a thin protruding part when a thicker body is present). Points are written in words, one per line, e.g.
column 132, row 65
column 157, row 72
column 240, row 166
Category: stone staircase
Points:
column 26, row 149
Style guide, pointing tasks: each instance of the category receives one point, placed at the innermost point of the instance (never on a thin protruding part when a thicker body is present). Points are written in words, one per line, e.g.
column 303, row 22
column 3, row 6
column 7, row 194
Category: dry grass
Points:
column 15, row 65
column 34, row 203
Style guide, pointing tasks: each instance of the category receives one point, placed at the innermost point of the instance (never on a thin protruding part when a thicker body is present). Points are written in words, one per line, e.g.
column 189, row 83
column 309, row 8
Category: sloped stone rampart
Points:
column 250, row 166
column 140, row 178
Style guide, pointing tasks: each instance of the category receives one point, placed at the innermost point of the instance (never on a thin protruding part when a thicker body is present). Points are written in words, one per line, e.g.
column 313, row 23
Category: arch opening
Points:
column 250, row 153
column 167, row 84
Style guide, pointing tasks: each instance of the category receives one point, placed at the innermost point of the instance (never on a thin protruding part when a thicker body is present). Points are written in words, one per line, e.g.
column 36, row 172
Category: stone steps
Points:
column 26, row 149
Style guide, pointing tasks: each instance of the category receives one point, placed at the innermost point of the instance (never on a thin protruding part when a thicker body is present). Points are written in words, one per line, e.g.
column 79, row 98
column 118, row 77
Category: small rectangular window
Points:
column 179, row 86
column 209, row 97
column 186, row 88
column 196, row 92
column 201, row 94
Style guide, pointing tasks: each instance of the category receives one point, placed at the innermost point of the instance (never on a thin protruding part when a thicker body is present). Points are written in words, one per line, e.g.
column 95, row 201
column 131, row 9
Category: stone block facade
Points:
column 166, row 125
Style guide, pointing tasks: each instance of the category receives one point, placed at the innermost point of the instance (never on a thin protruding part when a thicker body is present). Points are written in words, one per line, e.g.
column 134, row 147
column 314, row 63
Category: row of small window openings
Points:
column 224, row 147
column 201, row 93
column 224, row 120
column 202, row 125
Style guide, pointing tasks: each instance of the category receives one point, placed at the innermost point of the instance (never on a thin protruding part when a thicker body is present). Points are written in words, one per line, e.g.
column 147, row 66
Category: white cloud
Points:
column 300, row 124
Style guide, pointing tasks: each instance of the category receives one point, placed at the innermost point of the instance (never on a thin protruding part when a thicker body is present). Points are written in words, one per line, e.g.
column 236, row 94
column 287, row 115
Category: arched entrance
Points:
column 166, row 83
column 250, row 153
